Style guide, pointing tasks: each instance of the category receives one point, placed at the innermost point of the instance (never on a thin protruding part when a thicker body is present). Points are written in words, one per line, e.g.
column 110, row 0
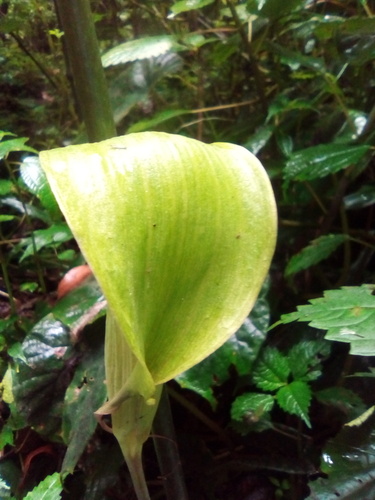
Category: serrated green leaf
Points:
column 142, row 48
column 347, row 314
column 318, row 250
column 295, row 398
column 48, row 489
column 319, row 161
column 251, row 405
column 272, row 370
column 305, row 358
column 187, row 5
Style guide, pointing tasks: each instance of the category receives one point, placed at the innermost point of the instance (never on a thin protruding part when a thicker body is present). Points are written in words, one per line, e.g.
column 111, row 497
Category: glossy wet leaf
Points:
column 295, row 399
column 318, row 250
column 36, row 181
column 38, row 385
column 362, row 198
column 319, row 161
column 349, row 462
column 86, row 392
column 142, row 48
column 74, row 307
column 347, row 314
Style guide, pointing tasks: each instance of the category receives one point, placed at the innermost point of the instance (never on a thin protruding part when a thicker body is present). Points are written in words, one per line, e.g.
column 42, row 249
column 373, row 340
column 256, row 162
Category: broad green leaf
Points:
column 319, row 161
column 347, row 314
column 187, row 5
column 48, row 489
column 272, row 370
column 86, row 392
column 275, row 9
column 330, row 26
column 186, row 233
column 142, row 48
column 295, row 398
column 318, row 250
column 38, row 387
column 296, row 60
column 348, row 461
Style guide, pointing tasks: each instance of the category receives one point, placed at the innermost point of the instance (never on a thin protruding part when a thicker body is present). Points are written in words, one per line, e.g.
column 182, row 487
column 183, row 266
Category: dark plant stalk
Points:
column 85, row 65
column 167, row 451
column 258, row 77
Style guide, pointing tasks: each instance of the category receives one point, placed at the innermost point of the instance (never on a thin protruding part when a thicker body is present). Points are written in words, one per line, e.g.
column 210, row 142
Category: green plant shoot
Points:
column 179, row 235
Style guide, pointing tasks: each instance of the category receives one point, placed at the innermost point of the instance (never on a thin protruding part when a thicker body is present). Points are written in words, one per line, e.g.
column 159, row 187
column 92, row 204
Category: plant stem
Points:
column 258, row 77
column 135, row 467
column 167, row 451
column 84, row 62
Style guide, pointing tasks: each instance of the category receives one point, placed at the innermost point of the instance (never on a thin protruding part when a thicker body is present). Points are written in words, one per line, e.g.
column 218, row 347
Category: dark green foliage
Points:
column 293, row 82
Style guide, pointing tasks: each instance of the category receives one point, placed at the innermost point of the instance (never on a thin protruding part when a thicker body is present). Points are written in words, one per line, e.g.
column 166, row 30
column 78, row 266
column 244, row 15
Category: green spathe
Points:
column 179, row 235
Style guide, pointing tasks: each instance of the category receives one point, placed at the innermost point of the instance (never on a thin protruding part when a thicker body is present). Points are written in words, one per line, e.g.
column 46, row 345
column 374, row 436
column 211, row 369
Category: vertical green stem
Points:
column 83, row 55
column 135, row 467
column 167, row 451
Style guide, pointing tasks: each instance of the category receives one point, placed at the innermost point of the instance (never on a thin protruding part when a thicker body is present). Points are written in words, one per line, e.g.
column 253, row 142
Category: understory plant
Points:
column 179, row 235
